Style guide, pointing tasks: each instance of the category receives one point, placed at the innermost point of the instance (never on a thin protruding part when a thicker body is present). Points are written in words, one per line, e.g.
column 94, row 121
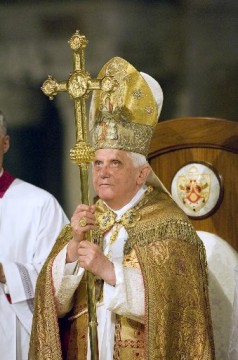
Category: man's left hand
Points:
column 92, row 259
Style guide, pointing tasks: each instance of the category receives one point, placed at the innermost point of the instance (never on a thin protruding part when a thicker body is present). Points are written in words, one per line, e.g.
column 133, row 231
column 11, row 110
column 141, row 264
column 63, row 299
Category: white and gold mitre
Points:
column 125, row 111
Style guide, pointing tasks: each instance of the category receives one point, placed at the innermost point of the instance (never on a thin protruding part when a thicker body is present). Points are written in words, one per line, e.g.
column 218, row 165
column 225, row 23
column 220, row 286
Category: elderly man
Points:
column 30, row 221
column 149, row 264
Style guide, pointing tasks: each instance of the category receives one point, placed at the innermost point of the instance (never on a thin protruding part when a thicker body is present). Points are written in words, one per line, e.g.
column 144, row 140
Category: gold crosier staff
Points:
column 79, row 85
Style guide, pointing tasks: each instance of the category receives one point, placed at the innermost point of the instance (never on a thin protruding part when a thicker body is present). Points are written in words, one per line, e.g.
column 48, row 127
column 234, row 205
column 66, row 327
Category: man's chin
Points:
column 105, row 193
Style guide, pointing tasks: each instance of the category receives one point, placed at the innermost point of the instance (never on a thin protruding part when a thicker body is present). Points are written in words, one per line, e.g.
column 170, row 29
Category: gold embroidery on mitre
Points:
column 123, row 117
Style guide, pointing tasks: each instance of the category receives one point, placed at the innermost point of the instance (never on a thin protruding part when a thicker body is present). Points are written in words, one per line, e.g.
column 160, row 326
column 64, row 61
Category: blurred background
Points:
column 189, row 46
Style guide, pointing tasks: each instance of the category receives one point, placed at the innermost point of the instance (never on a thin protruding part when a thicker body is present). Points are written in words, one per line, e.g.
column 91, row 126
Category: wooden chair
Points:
column 196, row 159
column 177, row 142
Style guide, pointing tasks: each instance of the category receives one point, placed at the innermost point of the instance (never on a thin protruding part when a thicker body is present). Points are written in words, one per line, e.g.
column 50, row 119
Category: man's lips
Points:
column 105, row 185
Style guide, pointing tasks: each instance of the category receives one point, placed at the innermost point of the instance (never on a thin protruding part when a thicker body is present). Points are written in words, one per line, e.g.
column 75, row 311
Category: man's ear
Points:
column 6, row 143
column 143, row 174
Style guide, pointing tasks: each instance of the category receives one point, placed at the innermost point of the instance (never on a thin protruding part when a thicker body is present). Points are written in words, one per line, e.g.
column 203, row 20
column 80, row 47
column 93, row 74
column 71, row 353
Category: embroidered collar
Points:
column 5, row 181
column 106, row 218
column 133, row 202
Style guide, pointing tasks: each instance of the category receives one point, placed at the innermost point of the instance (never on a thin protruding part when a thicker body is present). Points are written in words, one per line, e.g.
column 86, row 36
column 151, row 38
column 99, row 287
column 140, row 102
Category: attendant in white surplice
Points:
column 30, row 220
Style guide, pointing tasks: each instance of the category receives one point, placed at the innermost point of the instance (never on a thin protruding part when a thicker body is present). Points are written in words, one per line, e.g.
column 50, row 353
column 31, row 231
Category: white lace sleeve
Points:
column 127, row 297
column 65, row 282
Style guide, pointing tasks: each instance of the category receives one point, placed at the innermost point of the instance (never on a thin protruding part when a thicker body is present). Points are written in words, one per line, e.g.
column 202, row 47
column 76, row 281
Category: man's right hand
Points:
column 83, row 213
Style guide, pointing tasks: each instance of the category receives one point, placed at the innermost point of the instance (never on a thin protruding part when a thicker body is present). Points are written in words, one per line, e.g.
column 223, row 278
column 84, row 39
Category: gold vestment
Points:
column 172, row 259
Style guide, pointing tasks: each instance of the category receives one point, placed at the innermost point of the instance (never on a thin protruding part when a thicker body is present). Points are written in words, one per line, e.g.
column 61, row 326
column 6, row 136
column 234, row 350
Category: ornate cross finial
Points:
column 79, row 85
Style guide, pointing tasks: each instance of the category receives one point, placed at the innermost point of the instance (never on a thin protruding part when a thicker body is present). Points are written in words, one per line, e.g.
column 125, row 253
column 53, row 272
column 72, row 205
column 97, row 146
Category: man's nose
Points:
column 104, row 171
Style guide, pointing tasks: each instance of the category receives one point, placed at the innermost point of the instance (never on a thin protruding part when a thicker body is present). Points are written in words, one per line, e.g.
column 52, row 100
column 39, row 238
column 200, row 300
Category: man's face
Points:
column 4, row 146
column 115, row 178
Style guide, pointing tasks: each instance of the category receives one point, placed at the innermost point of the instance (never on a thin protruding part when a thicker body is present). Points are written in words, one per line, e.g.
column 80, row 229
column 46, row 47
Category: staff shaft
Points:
column 90, row 279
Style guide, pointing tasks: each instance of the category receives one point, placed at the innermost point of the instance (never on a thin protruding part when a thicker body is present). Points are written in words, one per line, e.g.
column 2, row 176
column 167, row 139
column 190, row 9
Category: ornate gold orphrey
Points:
column 79, row 85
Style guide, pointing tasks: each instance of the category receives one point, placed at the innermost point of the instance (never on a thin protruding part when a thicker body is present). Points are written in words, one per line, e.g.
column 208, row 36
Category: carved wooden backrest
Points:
column 180, row 147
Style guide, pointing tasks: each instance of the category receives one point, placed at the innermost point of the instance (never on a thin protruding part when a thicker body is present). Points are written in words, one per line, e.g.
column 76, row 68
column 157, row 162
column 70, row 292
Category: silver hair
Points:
column 3, row 124
column 137, row 159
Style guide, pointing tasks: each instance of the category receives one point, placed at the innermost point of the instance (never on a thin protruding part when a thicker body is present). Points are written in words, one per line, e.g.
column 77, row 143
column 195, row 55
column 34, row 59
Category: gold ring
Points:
column 82, row 222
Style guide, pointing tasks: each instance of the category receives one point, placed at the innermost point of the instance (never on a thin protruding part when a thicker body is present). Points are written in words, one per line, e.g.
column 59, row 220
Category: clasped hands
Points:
column 89, row 255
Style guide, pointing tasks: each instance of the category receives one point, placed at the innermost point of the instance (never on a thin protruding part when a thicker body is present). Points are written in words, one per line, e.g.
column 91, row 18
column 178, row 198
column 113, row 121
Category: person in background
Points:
column 30, row 221
column 149, row 264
